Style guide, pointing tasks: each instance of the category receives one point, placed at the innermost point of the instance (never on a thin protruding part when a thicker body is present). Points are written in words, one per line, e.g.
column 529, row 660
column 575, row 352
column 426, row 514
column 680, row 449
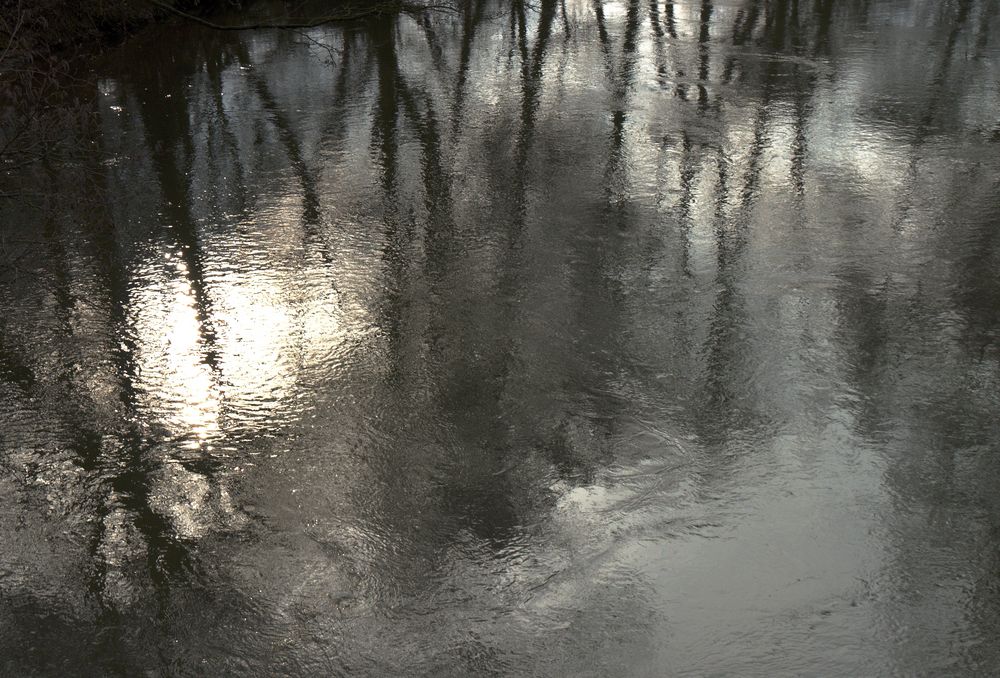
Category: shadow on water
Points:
column 502, row 340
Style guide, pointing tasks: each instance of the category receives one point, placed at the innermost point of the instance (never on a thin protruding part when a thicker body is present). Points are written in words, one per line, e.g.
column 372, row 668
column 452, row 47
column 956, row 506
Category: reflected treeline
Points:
column 501, row 254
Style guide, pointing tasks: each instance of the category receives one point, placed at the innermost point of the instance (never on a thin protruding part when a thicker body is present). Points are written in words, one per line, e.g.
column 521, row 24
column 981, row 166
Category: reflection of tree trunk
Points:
column 986, row 16
column 824, row 20
column 602, row 29
column 621, row 85
column 471, row 16
column 775, row 23
column 165, row 124
column 743, row 28
column 631, row 29
column 518, row 13
column 688, row 171
column 86, row 441
column 861, row 324
column 132, row 486
column 511, row 273
column 384, row 137
column 803, row 92
column 668, row 11
column 600, row 302
column 940, row 80
column 746, row 22
column 213, row 67
column 751, row 182
column 433, row 44
column 704, row 33
column 654, row 18
column 13, row 368
column 978, row 292
column 656, row 25
column 333, row 129
column 437, row 189
column 293, row 148
column 938, row 88
column 124, row 461
column 721, row 355
column 436, row 180
column 726, row 344
column 386, row 112
column 531, row 84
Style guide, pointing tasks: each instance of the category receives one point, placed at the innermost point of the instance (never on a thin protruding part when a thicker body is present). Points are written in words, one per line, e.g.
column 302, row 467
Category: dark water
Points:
column 554, row 339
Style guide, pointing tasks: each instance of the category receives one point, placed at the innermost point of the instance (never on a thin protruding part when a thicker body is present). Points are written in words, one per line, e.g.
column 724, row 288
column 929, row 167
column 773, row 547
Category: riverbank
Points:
column 45, row 49
column 67, row 29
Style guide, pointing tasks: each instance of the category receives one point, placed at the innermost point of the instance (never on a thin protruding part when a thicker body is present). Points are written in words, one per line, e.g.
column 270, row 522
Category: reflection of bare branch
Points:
column 470, row 23
column 12, row 32
column 330, row 50
column 390, row 7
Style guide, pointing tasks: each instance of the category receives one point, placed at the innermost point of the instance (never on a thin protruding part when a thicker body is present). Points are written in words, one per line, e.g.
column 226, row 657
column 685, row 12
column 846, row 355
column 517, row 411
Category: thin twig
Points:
column 13, row 33
column 332, row 51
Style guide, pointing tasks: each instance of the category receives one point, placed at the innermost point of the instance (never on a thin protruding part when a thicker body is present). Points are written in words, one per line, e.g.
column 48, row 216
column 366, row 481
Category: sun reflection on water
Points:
column 174, row 375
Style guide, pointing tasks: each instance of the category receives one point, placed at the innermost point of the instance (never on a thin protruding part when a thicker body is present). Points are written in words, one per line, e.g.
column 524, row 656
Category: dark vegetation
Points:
column 45, row 45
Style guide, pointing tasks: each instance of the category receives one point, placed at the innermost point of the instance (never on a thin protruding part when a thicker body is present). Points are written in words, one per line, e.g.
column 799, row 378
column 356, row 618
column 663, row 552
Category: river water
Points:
column 559, row 338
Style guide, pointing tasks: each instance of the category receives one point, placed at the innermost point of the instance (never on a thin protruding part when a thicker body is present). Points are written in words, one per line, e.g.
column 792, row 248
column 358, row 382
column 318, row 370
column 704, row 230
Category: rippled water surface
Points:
column 559, row 338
